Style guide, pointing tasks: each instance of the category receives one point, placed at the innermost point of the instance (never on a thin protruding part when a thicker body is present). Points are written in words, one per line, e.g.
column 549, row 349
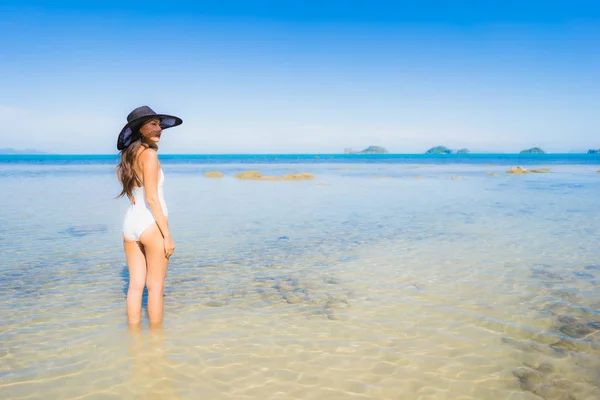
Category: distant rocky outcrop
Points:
column 374, row 150
column 592, row 151
column 368, row 150
column 439, row 150
column 20, row 151
column 533, row 150
column 445, row 150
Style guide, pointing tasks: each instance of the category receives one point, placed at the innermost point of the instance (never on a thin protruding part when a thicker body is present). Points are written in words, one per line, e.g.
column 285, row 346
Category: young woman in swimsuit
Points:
column 147, row 239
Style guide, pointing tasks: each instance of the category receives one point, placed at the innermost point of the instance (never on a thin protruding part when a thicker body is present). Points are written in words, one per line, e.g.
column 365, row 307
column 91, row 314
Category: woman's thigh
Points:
column 156, row 261
column 136, row 262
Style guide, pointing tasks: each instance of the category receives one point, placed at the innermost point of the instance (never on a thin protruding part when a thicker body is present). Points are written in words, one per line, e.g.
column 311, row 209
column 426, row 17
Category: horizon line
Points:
column 305, row 154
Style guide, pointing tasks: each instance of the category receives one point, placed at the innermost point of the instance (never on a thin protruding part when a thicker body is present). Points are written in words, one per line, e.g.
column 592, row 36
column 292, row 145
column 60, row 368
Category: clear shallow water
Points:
column 376, row 285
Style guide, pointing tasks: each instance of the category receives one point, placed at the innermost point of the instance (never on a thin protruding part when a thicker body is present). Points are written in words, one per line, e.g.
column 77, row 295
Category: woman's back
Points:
column 139, row 214
column 139, row 194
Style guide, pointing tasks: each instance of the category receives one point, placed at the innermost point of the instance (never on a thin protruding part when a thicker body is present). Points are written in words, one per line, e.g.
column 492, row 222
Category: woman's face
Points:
column 151, row 132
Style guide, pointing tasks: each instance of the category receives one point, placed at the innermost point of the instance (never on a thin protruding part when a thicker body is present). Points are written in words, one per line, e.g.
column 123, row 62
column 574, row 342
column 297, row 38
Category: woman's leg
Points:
column 136, row 262
column 157, row 263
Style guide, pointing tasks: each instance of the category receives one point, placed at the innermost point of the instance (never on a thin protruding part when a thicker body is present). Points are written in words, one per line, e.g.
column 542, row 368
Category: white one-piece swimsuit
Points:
column 138, row 217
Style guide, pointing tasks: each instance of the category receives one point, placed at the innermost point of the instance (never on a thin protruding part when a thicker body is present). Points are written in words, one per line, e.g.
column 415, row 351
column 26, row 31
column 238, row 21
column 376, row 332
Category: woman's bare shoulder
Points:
column 147, row 155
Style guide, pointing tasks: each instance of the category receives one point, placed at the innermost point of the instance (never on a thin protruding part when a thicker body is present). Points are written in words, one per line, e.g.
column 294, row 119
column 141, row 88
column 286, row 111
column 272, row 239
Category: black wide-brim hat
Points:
column 136, row 118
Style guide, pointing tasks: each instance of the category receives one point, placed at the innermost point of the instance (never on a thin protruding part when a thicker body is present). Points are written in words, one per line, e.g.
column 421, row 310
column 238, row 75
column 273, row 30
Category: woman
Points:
column 147, row 239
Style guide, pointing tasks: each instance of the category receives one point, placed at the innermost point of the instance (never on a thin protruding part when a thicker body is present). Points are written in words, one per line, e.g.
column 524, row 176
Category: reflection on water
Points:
column 151, row 375
column 430, row 288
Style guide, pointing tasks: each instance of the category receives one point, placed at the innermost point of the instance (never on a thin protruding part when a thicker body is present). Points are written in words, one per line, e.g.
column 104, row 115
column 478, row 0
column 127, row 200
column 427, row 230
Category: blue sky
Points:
column 316, row 77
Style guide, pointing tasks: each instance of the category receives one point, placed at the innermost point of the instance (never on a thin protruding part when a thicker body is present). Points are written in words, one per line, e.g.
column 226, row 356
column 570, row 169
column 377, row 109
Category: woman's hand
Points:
column 169, row 246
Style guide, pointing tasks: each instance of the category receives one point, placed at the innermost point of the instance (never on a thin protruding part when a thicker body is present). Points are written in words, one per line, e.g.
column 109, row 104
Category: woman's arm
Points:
column 151, row 171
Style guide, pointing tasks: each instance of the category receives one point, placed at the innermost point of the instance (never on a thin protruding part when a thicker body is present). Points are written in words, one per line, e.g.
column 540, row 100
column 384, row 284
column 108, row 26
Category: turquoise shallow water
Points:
column 379, row 279
column 496, row 159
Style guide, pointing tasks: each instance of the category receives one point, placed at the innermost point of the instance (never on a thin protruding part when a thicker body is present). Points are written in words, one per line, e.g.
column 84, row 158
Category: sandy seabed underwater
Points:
column 372, row 281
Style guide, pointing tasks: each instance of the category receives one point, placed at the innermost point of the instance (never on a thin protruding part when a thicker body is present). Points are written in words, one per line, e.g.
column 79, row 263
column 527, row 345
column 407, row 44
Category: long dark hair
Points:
column 125, row 171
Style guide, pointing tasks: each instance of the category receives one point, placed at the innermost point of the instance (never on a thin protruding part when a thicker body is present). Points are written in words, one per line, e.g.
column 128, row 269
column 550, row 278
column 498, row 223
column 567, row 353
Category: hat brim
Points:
column 126, row 135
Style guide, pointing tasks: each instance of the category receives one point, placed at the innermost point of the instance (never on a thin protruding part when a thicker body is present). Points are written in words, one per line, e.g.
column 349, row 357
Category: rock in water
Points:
column 255, row 175
column 298, row 177
column 518, row 170
column 213, row 174
column 521, row 170
column 249, row 175
column 540, row 170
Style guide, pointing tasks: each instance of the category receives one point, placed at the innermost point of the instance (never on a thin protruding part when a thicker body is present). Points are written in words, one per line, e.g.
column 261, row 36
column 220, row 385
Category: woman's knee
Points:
column 155, row 285
column 136, row 285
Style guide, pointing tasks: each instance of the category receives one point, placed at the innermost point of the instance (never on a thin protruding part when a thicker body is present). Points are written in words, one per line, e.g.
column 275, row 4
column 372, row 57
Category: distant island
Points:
column 18, row 151
column 533, row 150
column 592, row 151
column 445, row 150
column 368, row 150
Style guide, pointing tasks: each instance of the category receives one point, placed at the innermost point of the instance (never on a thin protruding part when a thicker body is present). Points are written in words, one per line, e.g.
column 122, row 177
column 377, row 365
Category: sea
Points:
column 385, row 277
